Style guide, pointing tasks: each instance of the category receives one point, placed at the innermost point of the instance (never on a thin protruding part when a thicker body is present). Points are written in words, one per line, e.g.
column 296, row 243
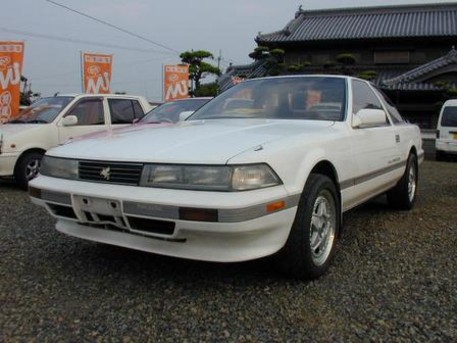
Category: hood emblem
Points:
column 106, row 173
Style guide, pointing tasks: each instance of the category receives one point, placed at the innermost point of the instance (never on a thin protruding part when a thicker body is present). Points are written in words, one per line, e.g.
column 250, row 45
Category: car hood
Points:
column 117, row 131
column 10, row 130
column 201, row 142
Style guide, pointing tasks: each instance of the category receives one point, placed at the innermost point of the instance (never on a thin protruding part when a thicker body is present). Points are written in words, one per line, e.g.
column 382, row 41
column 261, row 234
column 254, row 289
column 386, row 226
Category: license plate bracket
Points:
column 108, row 207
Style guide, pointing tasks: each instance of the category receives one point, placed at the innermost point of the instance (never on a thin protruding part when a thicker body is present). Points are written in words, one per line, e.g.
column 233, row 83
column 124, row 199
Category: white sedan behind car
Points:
column 266, row 168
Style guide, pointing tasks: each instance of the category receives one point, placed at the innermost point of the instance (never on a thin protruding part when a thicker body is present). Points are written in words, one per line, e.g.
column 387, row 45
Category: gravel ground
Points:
column 393, row 279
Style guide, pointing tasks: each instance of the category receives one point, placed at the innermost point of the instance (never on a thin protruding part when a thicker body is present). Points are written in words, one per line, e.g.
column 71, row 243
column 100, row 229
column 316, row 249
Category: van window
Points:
column 449, row 116
column 124, row 111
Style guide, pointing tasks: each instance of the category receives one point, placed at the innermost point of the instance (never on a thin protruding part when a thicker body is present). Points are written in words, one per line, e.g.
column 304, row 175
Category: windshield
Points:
column 169, row 111
column 42, row 111
column 301, row 97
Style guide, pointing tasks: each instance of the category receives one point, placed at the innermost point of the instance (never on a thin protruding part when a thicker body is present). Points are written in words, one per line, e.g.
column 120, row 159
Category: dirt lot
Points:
column 393, row 279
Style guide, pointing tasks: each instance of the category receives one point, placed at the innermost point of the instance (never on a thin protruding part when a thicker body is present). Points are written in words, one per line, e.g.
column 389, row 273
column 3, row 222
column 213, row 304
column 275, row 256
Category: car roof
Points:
column 195, row 98
column 450, row 102
column 95, row 95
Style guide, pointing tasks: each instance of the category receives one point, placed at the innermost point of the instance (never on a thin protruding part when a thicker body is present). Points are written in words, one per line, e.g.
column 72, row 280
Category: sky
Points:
column 55, row 36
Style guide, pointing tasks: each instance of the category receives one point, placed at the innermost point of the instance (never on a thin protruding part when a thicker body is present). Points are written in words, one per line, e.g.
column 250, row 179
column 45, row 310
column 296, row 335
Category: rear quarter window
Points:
column 449, row 117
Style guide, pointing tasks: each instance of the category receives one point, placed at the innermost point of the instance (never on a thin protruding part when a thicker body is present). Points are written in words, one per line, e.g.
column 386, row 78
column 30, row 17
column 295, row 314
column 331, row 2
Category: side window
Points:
column 122, row 111
column 139, row 113
column 393, row 112
column 363, row 97
column 89, row 112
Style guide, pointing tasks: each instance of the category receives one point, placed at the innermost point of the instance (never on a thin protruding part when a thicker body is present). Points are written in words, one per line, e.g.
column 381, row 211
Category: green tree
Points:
column 369, row 75
column 260, row 53
column 207, row 89
column 273, row 59
column 346, row 60
column 198, row 68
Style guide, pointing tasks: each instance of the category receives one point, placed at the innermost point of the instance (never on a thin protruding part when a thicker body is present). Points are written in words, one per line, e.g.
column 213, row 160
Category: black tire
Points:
column 27, row 168
column 311, row 244
column 403, row 195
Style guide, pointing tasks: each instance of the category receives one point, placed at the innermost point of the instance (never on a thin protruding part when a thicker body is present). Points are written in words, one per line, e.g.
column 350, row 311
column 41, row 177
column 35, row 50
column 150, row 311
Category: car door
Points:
column 374, row 148
column 90, row 114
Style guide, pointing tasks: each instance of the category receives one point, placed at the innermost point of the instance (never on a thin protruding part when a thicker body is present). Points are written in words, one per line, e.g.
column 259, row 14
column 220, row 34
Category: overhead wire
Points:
column 133, row 34
column 72, row 40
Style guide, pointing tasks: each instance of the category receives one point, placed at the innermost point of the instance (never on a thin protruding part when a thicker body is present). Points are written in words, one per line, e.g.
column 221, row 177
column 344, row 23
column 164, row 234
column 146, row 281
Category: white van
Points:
column 446, row 134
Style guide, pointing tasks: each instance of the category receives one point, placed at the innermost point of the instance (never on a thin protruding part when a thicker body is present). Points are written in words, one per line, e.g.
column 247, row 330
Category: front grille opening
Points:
column 62, row 211
column 89, row 216
column 111, row 172
column 104, row 218
column 152, row 226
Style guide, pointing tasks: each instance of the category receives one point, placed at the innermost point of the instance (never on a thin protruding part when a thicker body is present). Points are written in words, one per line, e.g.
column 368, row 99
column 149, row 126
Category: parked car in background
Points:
column 53, row 120
column 169, row 111
column 266, row 168
column 446, row 131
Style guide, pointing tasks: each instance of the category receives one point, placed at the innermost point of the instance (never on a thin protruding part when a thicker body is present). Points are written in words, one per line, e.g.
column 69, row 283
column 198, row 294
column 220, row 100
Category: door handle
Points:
column 397, row 138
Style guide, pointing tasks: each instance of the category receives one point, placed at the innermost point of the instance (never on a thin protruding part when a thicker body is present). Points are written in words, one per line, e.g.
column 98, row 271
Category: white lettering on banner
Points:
column 177, row 89
column 103, row 83
column 12, row 76
column 5, row 106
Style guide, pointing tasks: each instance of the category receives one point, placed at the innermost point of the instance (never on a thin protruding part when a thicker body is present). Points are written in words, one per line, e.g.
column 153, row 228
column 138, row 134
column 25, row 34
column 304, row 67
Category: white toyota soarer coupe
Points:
column 266, row 168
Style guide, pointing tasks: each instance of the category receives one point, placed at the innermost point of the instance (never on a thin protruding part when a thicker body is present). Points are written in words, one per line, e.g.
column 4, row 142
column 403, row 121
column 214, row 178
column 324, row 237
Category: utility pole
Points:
column 219, row 58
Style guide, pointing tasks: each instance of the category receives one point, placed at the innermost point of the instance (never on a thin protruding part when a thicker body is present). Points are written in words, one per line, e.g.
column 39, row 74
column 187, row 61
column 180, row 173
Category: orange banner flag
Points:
column 97, row 71
column 11, row 58
column 176, row 82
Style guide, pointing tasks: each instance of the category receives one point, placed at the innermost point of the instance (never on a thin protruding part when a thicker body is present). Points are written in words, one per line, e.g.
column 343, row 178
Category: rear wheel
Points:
column 311, row 243
column 403, row 195
column 27, row 168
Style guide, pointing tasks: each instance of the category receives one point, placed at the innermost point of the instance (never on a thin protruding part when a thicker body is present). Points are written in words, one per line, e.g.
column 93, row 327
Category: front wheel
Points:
column 403, row 195
column 27, row 168
column 311, row 244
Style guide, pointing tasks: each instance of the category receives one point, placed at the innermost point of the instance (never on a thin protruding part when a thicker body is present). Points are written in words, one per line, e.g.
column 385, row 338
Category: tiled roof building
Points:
column 410, row 49
column 411, row 21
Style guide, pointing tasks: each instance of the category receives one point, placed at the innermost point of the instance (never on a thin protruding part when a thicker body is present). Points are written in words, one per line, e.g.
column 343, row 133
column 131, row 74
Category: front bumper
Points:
column 210, row 226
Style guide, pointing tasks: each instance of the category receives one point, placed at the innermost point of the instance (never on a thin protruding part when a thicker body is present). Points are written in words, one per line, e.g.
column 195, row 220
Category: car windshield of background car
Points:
column 42, row 111
column 169, row 111
column 301, row 98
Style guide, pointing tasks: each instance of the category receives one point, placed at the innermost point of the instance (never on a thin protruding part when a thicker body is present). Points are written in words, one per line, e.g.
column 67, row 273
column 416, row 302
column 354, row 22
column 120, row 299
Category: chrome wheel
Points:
column 412, row 182
column 27, row 167
column 403, row 195
column 323, row 227
column 32, row 168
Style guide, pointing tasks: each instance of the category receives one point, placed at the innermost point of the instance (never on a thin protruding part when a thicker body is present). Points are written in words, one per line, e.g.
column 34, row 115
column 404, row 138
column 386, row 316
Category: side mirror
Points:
column 184, row 115
column 367, row 117
column 69, row 120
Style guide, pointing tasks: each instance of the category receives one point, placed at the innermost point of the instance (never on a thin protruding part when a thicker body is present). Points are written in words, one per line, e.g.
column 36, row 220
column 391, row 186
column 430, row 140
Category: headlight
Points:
column 59, row 167
column 211, row 178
